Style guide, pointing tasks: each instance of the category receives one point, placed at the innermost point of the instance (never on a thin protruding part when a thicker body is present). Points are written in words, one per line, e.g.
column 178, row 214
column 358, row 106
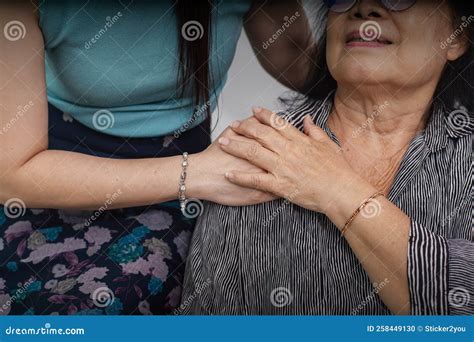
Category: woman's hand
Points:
column 306, row 168
column 310, row 170
column 206, row 177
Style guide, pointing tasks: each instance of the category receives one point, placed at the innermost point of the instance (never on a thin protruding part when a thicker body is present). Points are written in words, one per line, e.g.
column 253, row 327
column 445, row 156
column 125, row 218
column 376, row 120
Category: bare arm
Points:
column 281, row 38
column 380, row 242
column 60, row 179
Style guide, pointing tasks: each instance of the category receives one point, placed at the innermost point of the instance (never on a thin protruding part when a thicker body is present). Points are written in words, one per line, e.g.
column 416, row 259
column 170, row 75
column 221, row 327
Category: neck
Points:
column 378, row 113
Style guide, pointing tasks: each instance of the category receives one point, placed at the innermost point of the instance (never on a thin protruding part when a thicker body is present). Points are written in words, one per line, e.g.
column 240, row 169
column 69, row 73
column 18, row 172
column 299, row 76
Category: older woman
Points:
column 92, row 142
column 377, row 216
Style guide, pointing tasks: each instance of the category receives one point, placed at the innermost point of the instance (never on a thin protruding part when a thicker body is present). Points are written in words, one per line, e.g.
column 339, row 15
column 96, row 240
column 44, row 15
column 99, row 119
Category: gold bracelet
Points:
column 358, row 210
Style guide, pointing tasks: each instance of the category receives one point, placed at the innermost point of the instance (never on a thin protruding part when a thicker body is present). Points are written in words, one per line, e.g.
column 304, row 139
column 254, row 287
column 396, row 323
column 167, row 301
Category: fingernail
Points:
column 223, row 141
column 235, row 124
column 257, row 109
column 229, row 175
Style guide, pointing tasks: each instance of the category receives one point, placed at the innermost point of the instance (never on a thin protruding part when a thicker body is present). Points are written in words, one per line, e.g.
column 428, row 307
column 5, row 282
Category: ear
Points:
column 456, row 48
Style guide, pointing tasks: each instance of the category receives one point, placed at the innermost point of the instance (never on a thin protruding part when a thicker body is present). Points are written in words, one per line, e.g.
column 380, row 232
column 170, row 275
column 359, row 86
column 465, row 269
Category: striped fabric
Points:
column 278, row 258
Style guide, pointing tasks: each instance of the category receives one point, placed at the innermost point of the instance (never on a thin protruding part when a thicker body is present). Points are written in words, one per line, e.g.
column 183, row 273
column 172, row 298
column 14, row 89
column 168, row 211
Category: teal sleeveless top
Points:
column 113, row 65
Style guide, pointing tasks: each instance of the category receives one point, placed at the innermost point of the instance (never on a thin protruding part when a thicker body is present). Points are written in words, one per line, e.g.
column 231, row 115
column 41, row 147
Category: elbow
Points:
column 16, row 186
column 6, row 189
column 10, row 194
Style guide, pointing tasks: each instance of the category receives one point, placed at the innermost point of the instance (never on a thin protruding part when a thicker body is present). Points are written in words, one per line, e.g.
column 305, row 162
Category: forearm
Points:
column 418, row 271
column 281, row 38
column 379, row 237
column 63, row 179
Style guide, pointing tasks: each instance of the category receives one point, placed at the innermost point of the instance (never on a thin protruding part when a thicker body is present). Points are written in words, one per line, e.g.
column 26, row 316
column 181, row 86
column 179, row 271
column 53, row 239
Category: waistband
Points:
column 67, row 134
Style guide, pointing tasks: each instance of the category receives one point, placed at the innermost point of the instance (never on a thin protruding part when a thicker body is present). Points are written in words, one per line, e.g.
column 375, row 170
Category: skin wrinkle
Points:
column 377, row 166
column 404, row 76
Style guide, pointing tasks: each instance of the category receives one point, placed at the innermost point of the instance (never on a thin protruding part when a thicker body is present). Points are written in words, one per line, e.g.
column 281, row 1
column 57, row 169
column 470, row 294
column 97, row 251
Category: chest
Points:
column 378, row 167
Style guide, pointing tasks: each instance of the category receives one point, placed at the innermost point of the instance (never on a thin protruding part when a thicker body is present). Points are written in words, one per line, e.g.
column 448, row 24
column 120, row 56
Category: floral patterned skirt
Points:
column 126, row 261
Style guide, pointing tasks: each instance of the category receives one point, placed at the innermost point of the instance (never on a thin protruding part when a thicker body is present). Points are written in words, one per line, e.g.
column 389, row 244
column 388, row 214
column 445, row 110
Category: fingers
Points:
column 312, row 130
column 258, row 181
column 249, row 150
column 228, row 133
column 278, row 123
column 267, row 136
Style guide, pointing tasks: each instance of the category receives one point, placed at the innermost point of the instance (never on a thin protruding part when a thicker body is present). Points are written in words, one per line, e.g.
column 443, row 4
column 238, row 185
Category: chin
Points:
column 365, row 71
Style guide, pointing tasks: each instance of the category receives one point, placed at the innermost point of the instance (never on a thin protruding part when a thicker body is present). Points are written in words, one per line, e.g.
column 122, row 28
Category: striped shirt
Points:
column 278, row 258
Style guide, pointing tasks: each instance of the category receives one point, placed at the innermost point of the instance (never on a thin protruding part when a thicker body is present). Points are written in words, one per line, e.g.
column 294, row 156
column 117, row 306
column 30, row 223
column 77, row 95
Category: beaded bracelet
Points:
column 358, row 210
column 182, row 184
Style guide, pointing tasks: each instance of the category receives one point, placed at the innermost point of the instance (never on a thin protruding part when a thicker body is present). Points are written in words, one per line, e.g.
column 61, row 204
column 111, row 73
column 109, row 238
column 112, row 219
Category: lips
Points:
column 357, row 37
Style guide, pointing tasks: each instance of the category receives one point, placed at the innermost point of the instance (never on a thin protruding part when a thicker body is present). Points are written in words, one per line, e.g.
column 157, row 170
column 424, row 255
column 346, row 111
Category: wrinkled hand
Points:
column 306, row 168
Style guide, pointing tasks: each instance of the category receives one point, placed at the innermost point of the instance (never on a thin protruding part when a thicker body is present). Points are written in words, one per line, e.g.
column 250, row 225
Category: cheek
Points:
column 333, row 53
column 336, row 24
column 331, row 34
column 421, row 53
column 336, row 55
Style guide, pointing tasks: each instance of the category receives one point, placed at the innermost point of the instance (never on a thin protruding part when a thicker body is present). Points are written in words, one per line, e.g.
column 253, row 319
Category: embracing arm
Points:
column 43, row 178
column 59, row 179
column 281, row 39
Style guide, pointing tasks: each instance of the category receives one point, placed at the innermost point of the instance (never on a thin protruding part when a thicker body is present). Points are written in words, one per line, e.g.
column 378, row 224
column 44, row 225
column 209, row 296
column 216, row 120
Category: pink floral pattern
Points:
column 59, row 262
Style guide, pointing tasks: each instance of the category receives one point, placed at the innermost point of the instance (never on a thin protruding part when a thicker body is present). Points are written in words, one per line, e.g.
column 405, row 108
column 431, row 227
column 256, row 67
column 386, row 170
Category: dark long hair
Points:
column 454, row 87
column 195, row 38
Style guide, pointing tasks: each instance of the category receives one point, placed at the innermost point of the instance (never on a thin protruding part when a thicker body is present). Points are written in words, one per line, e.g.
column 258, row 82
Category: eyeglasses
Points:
column 341, row 6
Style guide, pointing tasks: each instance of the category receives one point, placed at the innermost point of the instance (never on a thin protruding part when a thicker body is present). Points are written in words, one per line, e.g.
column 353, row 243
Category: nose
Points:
column 368, row 9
